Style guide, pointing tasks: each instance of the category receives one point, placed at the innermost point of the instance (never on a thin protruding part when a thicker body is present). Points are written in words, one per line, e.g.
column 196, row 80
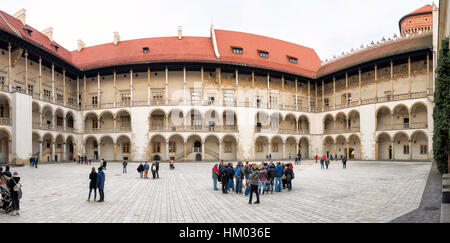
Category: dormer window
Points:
column 56, row 47
column 263, row 54
column 293, row 60
column 145, row 50
column 237, row 50
column 28, row 31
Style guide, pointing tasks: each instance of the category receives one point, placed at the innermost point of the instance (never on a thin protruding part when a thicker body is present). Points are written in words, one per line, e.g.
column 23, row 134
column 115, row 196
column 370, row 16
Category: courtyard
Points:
column 369, row 192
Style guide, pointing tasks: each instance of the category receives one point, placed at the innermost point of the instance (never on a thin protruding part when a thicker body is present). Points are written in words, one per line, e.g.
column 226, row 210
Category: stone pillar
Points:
column 115, row 151
column 64, row 157
column 335, row 150
column 53, row 151
column 115, row 124
column 185, row 151
column 296, row 95
column 376, row 83
column 98, row 91
column 348, row 150
column 409, row 77
column 167, row 85
column 220, row 150
column 203, row 151
column 40, row 119
column 237, row 78
column 148, row 86
column 253, row 79
column 167, row 151
column 26, row 72
column 334, row 91
column 298, row 149
column 9, row 66
column 360, row 86
column 78, row 91
column 284, row 151
column 40, row 150
column 64, row 88
column 393, row 149
column 392, row 80
column 410, row 150
column 309, row 95
column 131, row 87
column 85, row 93
column 346, row 90
column 53, row 83
column 40, row 78
column 115, row 88
column 323, row 95
column 317, row 98
column 268, row 92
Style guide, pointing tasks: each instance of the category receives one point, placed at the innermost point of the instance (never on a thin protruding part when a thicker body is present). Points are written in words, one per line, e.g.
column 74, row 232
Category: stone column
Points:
column 64, row 88
column 317, row 98
column 348, row 150
column 64, row 157
column 376, row 83
column 26, row 72
column 220, row 150
column 40, row 120
column 167, row 151
column 309, row 95
column 40, row 150
column 115, row 151
column 203, row 151
column 115, row 88
column 167, row 85
column 284, row 151
column 185, row 151
column 9, row 66
column 237, row 78
column 393, row 149
column 392, row 80
column 78, row 91
column 334, row 91
column 53, row 151
column 148, row 86
column 53, row 83
column 296, row 94
column 323, row 95
column 40, row 78
column 85, row 93
column 98, row 91
column 410, row 150
column 268, row 92
column 131, row 87
column 335, row 149
column 75, row 153
column 346, row 90
column 360, row 86
column 409, row 77
column 253, row 79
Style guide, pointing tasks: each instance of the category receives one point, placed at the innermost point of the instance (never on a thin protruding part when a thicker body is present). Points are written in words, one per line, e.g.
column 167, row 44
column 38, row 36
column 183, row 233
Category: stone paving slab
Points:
column 366, row 192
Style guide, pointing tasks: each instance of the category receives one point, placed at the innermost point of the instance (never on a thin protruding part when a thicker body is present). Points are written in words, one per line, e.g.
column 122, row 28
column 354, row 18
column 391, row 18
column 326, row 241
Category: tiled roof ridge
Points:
column 374, row 45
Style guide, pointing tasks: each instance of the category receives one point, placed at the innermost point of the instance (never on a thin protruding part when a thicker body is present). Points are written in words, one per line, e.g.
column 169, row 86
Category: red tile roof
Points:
column 308, row 61
column 424, row 9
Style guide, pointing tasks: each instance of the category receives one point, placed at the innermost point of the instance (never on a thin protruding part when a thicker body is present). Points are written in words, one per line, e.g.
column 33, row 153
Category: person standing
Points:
column 146, row 169
column 215, row 176
column 327, row 163
column 230, row 177
column 254, row 184
column 124, row 164
column 247, row 176
column 289, row 173
column 278, row 175
column 322, row 166
column 223, row 177
column 283, row 177
column 104, row 164
column 344, row 162
column 154, row 169
column 101, row 184
column 140, row 169
column 93, row 185
column 31, row 162
column 263, row 181
column 157, row 169
column 36, row 162
column 15, row 189
column 271, row 175
column 299, row 156
column 317, row 158
column 239, row 175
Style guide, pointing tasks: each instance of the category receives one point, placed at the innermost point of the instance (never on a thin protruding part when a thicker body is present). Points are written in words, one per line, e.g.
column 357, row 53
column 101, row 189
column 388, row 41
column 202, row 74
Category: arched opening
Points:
column 229, row 119
column 354, row 147
column 158, row 148
column 212, row 120
column 176, row 147
column 70, row 122
column 59, row 148
column 385, row 150
column 354, row 122
column 229, row 144
column 341, row 123
column 400, row 117
column 194, row 121
column 36, row 115
column 341, row 147
column 107, row 148
column 291, row 148
column 401, row 147
column 35, row 140
column 275, row 120
column 194, row 148
column 176, row 120
column 91, row 123
column 329, row 124
column 107, row 122
column 70, row 152
column 329, row 147
column 5, row 118
column 91, row 148
column 47, row 118
column 59, row 119
column 304, row 148
column 384, row 119
column 288, row 125
column 303, row 125
column 124, row 148
column 277, row 148
column 5, row 141
column 262, row 148
column 123, row 121
column 157, row 121
column 420, row 147
column 262, row 122
column 419, row 116
column 47, row 148
column 212, row 149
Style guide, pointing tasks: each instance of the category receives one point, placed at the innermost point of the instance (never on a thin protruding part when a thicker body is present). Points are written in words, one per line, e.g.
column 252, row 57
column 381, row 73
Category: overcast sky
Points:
column 328, row 26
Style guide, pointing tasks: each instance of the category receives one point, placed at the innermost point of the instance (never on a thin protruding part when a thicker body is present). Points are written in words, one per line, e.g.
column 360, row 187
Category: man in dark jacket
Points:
column 157, row 169
column 230, row 177
column 247, row 176
column 254, row 184
column 239, row 175
column 344, row 162
column 271, row 174
column 140, row 169
column 289, row 177
column 279, row 173
column 101, row 184
column 15, row 194
column 223, row 176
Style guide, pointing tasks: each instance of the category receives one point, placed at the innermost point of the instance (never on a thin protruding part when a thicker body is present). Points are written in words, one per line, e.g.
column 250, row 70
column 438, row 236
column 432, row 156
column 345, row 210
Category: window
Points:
column 95, row 124
column 59, row 97
column 58, row 146
column 423, row 149
column 94, row 100
column 29, row 32
column 263, row 54
column 406, row 149
column 275, row 147
column 196, row 96
column 70, row 101
column 125, row 148
column 145, row 50
column 211, row 100
column 59, row 121
column 293, row 60
column 228, row 97
column 172, row 147
column 126, row 97
column 158, row 96
column 228, row 147
column 327, row 102
column 237, row 50
column 274, row 101
column 259, row 147
column 30, row 88
column 156, row 147
column 47, row 93
column 56, row 48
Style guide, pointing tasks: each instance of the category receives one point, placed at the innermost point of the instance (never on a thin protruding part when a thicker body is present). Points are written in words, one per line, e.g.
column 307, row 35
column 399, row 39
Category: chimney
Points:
column 180, row 33
column 21, row 15
column 49, row 33
column 81, row 45
column 116, row 38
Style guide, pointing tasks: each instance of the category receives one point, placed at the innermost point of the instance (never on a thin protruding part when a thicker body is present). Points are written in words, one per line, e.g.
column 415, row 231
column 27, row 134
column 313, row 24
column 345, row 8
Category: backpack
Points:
column 154, row 168
column 237, row 173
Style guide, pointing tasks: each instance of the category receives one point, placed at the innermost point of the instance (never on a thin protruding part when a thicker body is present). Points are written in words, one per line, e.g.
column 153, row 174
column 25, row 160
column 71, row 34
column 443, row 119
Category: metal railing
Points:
column 402, row 126
column 5, row 121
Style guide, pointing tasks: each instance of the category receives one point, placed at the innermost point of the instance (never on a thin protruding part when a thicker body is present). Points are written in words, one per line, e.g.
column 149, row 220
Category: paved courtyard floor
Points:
column 365, row 192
